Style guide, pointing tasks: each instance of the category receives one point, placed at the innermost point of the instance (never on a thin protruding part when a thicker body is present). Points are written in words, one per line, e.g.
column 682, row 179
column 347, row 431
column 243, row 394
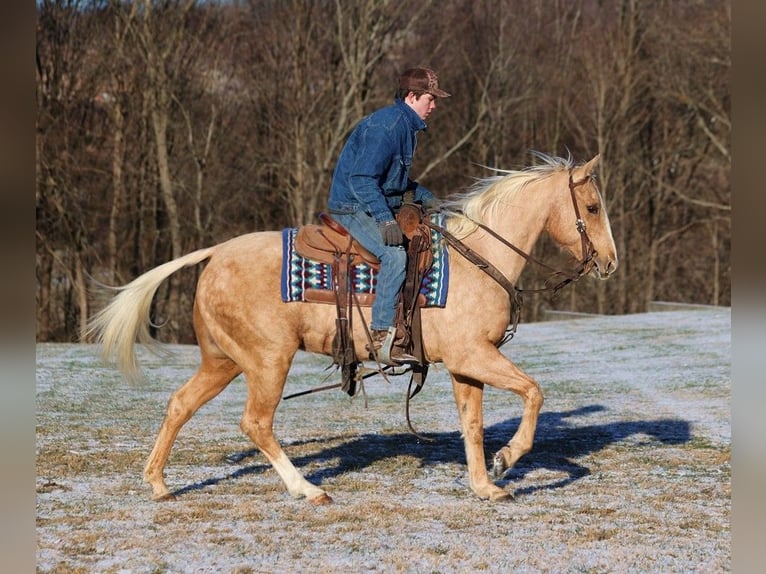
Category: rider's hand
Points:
column 432, row 205
column 391, row 232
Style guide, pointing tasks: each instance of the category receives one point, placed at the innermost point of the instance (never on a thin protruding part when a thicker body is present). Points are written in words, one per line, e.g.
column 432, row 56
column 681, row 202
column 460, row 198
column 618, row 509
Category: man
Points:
column 369, row 181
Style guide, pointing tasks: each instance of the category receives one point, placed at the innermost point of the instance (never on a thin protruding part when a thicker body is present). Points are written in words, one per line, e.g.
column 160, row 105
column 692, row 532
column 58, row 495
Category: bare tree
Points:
column 164, row 37
column 322, row 61
column 66, row 165
column 694, row 156
column 113, row 98
column 165, row 126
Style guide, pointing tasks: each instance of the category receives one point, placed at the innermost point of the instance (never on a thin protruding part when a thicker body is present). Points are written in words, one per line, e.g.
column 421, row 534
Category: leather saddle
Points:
column 328, row 240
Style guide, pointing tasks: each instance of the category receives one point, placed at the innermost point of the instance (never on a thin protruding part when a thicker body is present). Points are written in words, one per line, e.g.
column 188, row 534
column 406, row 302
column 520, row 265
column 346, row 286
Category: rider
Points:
column 369, row 181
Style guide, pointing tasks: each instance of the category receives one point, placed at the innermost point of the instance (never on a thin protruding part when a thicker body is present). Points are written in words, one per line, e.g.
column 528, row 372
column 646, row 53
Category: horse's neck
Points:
column 521, row 227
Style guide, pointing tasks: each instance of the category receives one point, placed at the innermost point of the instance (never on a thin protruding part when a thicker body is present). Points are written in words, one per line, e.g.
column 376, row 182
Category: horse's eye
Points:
column 593, row 208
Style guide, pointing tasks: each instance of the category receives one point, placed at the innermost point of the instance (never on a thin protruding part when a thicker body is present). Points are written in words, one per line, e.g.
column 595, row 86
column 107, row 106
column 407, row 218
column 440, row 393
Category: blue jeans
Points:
column 393, row 263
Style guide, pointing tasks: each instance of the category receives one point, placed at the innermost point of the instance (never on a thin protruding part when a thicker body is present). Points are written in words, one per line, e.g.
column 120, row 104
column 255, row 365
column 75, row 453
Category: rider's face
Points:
column 423, row 105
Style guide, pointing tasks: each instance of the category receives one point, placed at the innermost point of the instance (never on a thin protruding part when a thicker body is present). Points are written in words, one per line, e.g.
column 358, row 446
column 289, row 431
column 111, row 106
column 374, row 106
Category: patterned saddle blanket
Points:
column 307, row 280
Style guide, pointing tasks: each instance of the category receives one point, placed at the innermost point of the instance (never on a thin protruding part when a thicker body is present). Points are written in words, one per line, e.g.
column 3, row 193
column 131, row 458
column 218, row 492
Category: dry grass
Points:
column 625, row 476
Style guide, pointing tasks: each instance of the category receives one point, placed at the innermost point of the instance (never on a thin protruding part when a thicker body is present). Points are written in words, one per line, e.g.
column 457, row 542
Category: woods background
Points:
column 163, row 127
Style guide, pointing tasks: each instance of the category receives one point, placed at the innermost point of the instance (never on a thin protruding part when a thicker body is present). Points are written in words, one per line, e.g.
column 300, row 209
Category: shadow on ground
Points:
column 558, row 444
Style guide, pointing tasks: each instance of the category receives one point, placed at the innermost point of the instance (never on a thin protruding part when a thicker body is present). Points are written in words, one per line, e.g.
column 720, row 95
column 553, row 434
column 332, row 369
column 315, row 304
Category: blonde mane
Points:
column 481, row 201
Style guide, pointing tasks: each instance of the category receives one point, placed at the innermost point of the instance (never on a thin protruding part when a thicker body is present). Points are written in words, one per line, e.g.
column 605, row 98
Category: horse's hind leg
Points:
column 265, row 386
column 212, row 377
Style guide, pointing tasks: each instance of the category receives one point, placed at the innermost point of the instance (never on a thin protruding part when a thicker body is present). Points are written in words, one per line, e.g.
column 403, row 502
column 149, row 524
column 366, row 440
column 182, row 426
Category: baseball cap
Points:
column 422, row 80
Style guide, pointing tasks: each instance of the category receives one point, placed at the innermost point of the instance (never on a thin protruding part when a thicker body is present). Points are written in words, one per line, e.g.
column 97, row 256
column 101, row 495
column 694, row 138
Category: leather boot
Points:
column 385, row 350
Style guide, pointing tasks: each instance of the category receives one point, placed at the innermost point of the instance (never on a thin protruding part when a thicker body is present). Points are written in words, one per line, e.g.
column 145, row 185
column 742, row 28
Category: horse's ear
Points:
column 591, row 165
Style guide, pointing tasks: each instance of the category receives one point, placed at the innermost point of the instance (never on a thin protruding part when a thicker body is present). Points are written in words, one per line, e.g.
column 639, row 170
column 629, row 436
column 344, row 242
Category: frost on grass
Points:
column 630, row 470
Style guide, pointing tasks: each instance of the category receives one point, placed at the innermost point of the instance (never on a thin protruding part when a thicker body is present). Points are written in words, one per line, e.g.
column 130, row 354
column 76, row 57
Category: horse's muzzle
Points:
column 604, row 269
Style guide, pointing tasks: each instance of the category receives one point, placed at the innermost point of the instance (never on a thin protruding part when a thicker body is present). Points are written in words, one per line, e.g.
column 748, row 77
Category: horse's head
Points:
column 580, row 223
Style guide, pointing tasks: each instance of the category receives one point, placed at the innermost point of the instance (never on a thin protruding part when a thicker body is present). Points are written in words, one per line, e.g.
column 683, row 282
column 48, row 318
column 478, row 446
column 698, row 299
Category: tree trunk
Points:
column 716, row 274
column 118, row 192
column 159, row 124
column 44, row 264
column 81, row 292
column 159, row 98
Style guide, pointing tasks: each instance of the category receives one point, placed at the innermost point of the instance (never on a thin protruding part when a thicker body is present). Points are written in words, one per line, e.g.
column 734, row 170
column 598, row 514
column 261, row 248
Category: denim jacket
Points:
column 373, row 169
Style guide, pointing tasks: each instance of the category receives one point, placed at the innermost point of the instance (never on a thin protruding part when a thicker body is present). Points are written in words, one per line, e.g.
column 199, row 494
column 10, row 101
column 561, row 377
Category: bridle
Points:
column 588, row 250
column 563, row 278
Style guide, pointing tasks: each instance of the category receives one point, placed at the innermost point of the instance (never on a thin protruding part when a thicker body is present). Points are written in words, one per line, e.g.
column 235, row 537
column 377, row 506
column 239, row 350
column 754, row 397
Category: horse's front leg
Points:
column 468, row 398
column 488, row 365
column 522, row 440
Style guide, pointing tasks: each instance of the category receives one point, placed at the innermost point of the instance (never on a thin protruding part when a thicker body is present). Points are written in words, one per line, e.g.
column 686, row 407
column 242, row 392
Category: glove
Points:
column 391, row 232
column 432, row 205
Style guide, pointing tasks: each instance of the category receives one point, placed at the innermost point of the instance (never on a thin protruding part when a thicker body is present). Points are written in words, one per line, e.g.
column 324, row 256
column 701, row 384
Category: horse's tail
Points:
column 126, row 320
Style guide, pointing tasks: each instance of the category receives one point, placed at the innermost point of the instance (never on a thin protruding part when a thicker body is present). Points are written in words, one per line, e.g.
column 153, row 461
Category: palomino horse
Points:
column 243, row 326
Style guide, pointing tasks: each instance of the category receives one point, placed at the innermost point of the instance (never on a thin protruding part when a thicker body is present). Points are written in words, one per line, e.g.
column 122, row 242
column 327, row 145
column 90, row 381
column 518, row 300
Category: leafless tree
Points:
column 163, row 126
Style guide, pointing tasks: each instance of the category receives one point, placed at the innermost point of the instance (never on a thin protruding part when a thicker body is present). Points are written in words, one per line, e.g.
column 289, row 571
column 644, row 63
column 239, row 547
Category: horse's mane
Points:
column 481, row 199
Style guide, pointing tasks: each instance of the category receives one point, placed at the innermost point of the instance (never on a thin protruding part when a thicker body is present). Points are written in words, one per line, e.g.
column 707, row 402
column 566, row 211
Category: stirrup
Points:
column 384, row 353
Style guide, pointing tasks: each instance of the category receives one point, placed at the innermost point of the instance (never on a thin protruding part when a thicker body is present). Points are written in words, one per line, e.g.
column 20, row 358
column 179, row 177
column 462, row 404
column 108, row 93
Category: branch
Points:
column 482, row 112
column 684, row 197
column 684, row 228
column 711, row 136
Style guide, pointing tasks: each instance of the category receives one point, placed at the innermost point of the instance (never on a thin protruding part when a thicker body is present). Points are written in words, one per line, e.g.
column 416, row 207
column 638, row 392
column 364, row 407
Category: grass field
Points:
column 630, row 471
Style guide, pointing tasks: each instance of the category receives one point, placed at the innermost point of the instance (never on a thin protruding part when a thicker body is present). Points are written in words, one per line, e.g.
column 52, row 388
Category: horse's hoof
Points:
column 164, row 497
column 501, row 496
column 321, row 500
column 498, row 467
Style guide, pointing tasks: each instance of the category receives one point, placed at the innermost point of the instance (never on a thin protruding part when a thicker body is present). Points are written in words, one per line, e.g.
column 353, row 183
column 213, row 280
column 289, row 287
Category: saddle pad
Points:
column 300, row 274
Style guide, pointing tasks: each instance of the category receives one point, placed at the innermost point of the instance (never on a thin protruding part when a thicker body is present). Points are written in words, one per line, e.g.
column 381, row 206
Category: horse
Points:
column 243, row 326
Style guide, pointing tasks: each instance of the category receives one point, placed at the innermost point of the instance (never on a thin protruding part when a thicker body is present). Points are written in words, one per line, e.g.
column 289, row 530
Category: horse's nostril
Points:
column 607, row 269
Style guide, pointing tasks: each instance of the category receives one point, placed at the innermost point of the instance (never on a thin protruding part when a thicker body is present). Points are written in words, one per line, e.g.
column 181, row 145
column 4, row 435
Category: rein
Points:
column 588, row 252
column 515, row 294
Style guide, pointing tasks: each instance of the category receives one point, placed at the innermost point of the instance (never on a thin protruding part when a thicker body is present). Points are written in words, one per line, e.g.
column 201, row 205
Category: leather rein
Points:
column 515, row 294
